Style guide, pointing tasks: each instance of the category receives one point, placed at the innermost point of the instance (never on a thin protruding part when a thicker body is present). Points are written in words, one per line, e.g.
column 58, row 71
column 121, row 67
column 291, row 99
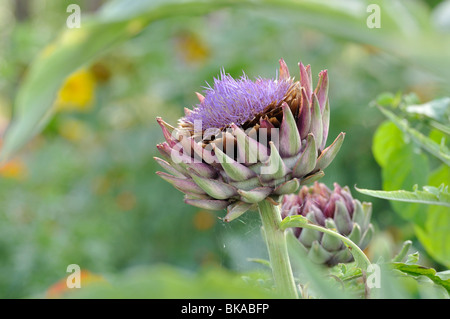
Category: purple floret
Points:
column 236, row 101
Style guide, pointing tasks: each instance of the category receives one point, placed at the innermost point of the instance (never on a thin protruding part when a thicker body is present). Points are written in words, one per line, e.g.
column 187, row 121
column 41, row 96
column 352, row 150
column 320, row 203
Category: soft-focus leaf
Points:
column 388, row 137
column 412, row 259
column 439, row 151
column 416, row 270
column 438, row 110
column 260, row 261
column 402, row 254
column 293, row 221
column 76, row 47
column 406, row 168
column 311, row 274
column 390, row 285
column 434, row 234
column 167, row 282
column 400, row 35
column 429, row 195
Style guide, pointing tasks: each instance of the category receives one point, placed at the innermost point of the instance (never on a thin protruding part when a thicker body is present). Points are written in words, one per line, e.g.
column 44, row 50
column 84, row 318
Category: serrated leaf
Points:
column 293, row 221
column 429, row 195
column 347, row 272
column 417, row 270
column 402, row 254
column 438, row 110
column 434, row 234
column 439, row 151
column 412, row 259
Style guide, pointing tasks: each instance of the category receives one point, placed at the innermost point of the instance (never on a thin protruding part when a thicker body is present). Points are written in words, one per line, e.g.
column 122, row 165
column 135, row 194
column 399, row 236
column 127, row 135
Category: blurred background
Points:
column 84, row 190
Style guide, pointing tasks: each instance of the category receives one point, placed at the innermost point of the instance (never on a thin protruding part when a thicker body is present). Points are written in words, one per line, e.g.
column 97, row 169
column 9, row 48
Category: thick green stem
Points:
column 277, row 247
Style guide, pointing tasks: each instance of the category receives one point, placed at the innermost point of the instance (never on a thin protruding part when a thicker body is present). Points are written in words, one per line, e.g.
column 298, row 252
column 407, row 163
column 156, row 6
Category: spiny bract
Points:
column 336, row 210
column 250, row 141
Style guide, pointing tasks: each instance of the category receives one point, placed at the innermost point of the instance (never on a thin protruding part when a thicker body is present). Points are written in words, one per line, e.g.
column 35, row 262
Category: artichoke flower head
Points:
column 247, row 141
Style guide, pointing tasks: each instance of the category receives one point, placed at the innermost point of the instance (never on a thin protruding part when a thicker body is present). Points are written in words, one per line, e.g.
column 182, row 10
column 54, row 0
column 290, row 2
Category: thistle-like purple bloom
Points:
column 236, row 101
column 269, row 139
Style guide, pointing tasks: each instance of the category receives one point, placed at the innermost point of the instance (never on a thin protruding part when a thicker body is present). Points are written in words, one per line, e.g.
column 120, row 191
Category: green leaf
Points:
column 402, row 168
column 260, row 261
column 293, row 221
column 416, row 270
column 347, row 272
column 407, row 34
column 438, row 110
column 406, row 168
column 439, row 151
column 434, row 234
column 412, row 259
column 429, row 195
column 444, row 275
column 311, row 274
column 388, row 138
column 445, row 128
column 388, row 99
column 399, row 257
column 74, row 48
column 167, row 282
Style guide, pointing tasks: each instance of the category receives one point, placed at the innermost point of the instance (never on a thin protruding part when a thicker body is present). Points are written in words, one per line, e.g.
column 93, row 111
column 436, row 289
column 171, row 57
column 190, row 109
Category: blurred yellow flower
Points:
column 126, row 201
column 191, row 48
column 14, row 169
column 204, row 220
column 59, row 289
column 73, row 130
column 77, row 93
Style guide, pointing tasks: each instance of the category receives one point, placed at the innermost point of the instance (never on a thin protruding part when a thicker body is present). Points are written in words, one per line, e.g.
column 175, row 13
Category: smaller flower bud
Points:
column 336, row 210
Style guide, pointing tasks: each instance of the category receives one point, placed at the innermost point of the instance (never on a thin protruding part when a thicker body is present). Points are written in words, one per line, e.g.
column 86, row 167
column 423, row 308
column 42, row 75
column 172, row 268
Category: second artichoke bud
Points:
column 336, row 210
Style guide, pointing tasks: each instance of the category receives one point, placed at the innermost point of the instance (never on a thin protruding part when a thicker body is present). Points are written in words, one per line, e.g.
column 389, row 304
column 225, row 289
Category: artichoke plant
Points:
column 336, row 210
column 247, row 141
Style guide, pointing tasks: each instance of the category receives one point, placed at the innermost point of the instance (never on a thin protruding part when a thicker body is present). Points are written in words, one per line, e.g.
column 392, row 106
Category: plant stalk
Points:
column 277, row 248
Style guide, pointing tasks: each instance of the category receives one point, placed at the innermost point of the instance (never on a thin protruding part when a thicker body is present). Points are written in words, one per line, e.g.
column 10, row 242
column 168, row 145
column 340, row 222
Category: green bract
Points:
column 336, row 210
column 236, row 166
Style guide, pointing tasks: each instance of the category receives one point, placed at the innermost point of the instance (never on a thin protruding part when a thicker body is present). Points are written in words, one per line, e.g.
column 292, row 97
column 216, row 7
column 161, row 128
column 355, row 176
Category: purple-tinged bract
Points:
column 335, row 209
column 256, row 140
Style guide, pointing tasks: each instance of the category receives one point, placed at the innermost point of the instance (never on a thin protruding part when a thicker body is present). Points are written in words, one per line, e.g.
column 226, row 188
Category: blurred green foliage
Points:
column 409, row 157
column 83, row 190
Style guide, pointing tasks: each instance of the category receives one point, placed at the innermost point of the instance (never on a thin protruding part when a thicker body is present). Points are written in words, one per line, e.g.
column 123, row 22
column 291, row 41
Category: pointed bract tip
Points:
column 164, row 124
column 284, row 71
column 302, row 66
column 200, row 97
